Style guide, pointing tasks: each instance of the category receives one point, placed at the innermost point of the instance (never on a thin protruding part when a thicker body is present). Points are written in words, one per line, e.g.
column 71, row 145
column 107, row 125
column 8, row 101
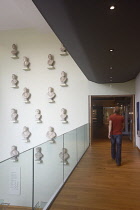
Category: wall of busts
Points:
column 41, row 87
column 38, row 74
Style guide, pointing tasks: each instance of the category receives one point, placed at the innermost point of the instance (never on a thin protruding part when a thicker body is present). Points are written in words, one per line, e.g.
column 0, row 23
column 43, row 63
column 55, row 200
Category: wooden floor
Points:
column 4, row 207
column 98, row 184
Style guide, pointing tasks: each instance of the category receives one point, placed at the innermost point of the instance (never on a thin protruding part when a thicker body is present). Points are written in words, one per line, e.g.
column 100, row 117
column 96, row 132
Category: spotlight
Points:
column 112, row 7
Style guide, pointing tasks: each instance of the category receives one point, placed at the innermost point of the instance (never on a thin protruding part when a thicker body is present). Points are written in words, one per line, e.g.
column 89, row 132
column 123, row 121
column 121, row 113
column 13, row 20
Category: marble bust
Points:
column 38, row 155
column 14, row 81
column 51, row 95
column 26, row 63
column 26, row 134
column 63, row 79
column 38, row 116
column 14, row 153
column 14, row 115
column 50, row 61
column 14, row 51
column 64, row 115
column 26, row 95
column 64, row 156
column 63, row 50
column 51, row 135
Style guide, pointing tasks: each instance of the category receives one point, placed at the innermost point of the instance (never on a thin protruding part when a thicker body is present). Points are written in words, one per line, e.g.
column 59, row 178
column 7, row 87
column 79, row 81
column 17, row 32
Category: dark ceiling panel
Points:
column 89, row 29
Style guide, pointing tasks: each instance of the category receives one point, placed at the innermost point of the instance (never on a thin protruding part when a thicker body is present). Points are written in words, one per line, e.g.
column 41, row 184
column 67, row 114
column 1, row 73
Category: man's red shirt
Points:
column 117, row 124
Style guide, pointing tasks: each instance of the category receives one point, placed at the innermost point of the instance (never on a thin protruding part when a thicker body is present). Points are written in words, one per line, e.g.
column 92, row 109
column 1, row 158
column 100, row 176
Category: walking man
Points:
column 116, row 126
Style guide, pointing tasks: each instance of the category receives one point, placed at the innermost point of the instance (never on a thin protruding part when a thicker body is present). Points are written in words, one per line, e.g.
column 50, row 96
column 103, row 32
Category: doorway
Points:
column 101, row 107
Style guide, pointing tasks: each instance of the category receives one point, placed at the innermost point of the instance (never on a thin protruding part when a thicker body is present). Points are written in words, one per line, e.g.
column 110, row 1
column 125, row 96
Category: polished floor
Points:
column 98, row 184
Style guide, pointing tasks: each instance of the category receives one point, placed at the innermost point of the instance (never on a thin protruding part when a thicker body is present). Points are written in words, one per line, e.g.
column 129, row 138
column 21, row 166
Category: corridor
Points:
column 98, row 184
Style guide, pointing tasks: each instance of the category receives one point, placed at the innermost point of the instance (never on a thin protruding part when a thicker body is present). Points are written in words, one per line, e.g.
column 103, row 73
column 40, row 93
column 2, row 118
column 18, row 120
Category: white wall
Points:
column 74, row 98
column 137, row 99
column 125, row 88
column 37, row 46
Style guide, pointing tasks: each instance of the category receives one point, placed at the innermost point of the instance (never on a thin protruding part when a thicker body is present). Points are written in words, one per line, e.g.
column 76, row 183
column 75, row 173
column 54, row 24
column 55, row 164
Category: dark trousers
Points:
column 116, row 145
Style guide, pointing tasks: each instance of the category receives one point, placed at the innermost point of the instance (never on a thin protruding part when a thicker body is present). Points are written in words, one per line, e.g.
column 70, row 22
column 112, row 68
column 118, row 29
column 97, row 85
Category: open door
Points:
column 99, row 106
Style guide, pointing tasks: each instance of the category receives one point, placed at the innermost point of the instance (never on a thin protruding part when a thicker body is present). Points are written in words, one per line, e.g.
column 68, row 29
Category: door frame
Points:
column 90, row 102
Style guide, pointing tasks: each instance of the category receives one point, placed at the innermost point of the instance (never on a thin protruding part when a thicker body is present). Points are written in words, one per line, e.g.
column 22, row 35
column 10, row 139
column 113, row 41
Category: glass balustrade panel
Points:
column 16, row 180
column 87, row 140
column 48, row 172
column 80, row 141
column 70, row 153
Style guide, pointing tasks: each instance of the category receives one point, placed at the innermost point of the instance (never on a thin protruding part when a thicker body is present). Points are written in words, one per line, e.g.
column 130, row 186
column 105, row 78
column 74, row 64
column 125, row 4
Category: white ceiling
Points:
column 17, row 14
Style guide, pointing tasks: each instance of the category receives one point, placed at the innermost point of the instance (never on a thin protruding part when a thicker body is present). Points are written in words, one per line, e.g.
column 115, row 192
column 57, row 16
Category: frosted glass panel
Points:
column 80, row 141
column 48, row 175
column 71, row 146
column 87, row 140
column 1, row 201
column 16, row 178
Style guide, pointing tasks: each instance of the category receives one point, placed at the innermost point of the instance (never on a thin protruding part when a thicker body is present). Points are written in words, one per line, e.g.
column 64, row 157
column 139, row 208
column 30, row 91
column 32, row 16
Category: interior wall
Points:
column 137, row 99
column 37, row 45
column 126, row 88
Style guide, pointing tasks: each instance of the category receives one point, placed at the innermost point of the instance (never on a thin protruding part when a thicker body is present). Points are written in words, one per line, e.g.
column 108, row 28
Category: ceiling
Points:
column 19, row 14
column 89, row 29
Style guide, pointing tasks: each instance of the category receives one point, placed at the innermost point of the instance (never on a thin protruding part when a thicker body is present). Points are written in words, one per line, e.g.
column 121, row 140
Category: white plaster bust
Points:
column 14, row 153
column 64, row 115
column 51, row 61
column 63, row 50
column 26, row 133
column 51, row 95
column 26, row 63
column 38, row 115
column 51, row 135
column 14, row 81
column 26, row 95
column 14, row 51
column 63, row 78
column 38, row 154
column 64, row 156
column 14, row 115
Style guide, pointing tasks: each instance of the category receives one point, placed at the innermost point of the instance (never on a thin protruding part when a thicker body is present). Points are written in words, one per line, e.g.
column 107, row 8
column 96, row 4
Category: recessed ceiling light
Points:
column 110, row 77
column 112, row 7
column 111, row 50
column 111, row 67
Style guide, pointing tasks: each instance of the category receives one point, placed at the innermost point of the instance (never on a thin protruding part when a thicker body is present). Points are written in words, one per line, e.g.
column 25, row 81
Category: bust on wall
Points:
column 51, row 62
column 51, row 135
column 38, row 155
column 14, row 154
column 26, row 63
column 14, row 52
column 26, row 134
